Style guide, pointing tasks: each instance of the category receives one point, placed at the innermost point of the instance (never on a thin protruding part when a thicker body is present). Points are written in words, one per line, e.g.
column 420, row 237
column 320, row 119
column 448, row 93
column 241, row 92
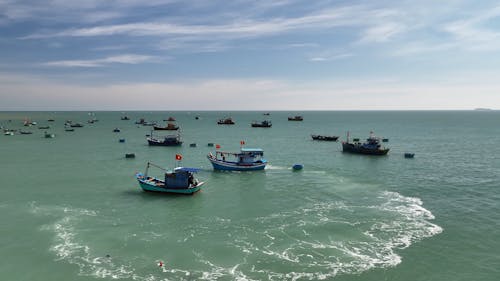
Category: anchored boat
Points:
column 324, row 138
column 263, row 124
column 181, row 180
column 170, row 140
column 372, row 146
column 247, row 159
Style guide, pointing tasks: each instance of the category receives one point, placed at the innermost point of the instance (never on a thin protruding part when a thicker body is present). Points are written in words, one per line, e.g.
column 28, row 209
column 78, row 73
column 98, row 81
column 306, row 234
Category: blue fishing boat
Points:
column 248, row 159
column 180, row 181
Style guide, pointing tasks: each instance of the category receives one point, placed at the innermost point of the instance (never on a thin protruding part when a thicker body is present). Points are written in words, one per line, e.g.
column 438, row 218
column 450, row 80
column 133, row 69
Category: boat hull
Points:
column 154, row 142
column 232, row 166
column 358, row 149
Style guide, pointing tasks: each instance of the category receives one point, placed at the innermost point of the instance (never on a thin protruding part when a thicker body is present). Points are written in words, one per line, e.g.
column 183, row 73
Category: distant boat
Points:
column 170, row 126
column 25, row 132
column 116, row 130
column 247, row 159
column 226, row 121
column 51, row 120
column 263, row 124
column 180, row 181
column 69, row 129
column 76, row 125
column 8, row 133
column 170, row 140
column 409, row 155
column 372, row 146
column 324, row 138
column 44, row 127
column 125, row 118
column 49, row 135
column 296, row 118
column 266, row 113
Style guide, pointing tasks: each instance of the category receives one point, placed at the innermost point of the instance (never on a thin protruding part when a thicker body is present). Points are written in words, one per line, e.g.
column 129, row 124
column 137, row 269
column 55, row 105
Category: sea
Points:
column 71, row 209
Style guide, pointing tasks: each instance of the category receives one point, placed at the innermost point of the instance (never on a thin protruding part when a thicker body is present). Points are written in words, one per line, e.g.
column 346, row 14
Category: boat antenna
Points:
column 347, row 136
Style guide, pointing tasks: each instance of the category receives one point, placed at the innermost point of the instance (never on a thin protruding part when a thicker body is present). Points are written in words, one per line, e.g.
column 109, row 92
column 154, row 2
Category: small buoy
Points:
column 108, row 256
column 192, row 145
column 130, row 155
column 122, row 140
column 385, row 140
column 297, row 167
column 210, row 144
column 409, row 155
column 160, row 264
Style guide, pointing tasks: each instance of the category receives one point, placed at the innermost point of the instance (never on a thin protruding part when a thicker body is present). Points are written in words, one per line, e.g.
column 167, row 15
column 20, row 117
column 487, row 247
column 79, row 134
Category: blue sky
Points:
column 249, row 55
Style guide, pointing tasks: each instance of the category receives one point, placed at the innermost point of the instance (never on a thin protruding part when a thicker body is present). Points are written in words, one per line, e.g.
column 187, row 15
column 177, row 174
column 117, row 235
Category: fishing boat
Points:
column 296, row 118
column 247, row 159
column 116, row 130
column 263, row 124
column 49, row 135
column 125, row 118
column 372, row 146
column 324, row 138
column 170, row 140
column 409, row 155
column 25, row 132
column 226, row 121
column 170, row 126
column 180, row 181
column 76, row 125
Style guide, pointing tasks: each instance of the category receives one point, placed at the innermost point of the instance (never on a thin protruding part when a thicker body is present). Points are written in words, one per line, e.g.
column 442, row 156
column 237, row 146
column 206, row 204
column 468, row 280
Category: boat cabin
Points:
column 247, row 156
column 181, row 177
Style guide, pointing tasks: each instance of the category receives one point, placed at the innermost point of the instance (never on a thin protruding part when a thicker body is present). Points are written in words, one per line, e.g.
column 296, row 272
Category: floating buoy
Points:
column 297, row 167
column 210, row 144
column 409, row 155
column 122, row 140
column 160, row 264
column 130, row 155
column 192, row 145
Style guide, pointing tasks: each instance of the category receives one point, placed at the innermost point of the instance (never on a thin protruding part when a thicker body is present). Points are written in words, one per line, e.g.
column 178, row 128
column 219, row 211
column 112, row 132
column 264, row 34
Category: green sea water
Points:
column 70, row 208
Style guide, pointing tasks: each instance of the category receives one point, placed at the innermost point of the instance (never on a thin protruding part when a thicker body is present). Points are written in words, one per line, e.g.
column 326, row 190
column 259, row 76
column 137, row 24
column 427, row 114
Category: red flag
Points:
column 217, row 146
column 178, row 157
column 242, row 142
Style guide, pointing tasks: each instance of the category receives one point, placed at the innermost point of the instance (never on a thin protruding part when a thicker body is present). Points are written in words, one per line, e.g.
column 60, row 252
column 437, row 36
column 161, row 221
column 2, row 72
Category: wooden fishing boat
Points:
column 170, row 126
column 324, row 138
column 226, row 121
column 170, row 140
column 263, row 124
column 372, row 146
column 296, row 118
column 179, row 181
column 247, row 159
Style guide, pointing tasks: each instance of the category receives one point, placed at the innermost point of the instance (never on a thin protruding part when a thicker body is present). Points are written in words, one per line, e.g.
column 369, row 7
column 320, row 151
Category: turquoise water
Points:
column 70, row 208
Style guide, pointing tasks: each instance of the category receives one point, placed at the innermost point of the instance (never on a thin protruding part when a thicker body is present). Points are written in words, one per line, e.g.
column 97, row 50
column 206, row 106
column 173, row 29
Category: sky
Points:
column 249, row 55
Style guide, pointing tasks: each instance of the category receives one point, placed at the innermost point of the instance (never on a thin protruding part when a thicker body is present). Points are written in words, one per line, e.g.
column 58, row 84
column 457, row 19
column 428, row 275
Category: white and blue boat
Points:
column 180, row 181
column 248, row 159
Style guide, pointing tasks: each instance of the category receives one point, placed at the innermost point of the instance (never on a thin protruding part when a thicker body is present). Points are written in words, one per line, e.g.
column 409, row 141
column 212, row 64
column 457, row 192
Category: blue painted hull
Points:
column 150, row 186
column 232, row 166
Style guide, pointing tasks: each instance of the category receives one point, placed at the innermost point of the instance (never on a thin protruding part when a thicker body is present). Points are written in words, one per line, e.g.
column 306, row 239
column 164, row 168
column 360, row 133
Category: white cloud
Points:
column 122, row 59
